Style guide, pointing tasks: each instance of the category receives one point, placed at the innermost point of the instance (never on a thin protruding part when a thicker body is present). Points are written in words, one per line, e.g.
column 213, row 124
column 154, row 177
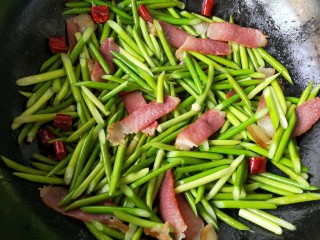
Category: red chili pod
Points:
column 207, row 7
column 60, row 149
column 62, row 121
column 257, row 164
column 58, row 44
column 144, row 13
column 100, row 14
column 45, row 135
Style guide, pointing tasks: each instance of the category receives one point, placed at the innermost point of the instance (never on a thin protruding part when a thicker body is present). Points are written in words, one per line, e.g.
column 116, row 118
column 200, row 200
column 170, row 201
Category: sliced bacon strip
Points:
column 133, row 101
column 308, row 114
column 75, row 24
column 259, row 135
column 208, row 233
column 161, row 233
column 182, row 40
column 174, row 35
column 107, row 46
column 72, row 28
column 51, row 196
column 151, row 129
column 168, row 205
column 265, row 122
column 197, row 132
column 229, row 32
column 175, row 210
column 194, row 224
column 267, row 71
column 97, row 72
column 204, row 46
column 140, row 119
column 201, row 28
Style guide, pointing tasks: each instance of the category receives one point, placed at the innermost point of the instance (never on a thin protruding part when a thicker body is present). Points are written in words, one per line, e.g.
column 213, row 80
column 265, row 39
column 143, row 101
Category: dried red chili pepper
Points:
column 60, row 149
column 144, row 13
column 62, row 121
column 58, row 44
column 207, row 7
column 100, row 14
column 257, row 164
column 45, row 135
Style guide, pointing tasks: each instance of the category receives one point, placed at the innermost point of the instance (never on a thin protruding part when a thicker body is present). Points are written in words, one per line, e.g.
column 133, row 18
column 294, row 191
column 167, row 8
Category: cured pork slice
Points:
column 158, row 232
column 140, row 119
column 75, row 24
column 174, row 35
column 133, row 101
column 267, row 71
column 51, row 196
column 182, row 40
column 201, row 28
column 194, row 223
column 259, row 135
column 308, row 114
column 265, row 122
column 195, row 133
column 229, row 32
column 107, row 46
column 97, row 72
column 175, row 210
column 204, row 46
column 208, row 233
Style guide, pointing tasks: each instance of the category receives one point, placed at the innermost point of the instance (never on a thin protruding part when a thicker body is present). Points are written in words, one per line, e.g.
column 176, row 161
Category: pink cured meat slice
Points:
column 51, row 196
column 133, row 101
column 175, row 210
column 77, row 24
column 140, row 119
column 194, row 223
column 168, row 205
column 201, row 28
column 200, row 130
column 72, row 28
column 265, row 122
column 229, row 32
column 267, row 71
column 308, row 114
column 97, row 72
column 174, row 35
column 204, row 46
column 107, row 46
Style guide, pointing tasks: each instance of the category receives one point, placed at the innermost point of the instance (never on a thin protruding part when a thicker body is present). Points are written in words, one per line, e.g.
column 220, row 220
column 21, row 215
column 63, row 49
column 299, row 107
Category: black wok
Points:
column 293, row 27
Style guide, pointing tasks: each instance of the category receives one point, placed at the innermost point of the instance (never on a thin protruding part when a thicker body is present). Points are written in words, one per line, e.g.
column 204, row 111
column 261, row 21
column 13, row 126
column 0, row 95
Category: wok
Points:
column 293, row 28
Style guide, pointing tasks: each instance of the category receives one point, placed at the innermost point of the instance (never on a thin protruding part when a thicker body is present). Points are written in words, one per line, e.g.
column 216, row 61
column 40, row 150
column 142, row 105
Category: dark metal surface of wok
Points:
column 293, row 28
